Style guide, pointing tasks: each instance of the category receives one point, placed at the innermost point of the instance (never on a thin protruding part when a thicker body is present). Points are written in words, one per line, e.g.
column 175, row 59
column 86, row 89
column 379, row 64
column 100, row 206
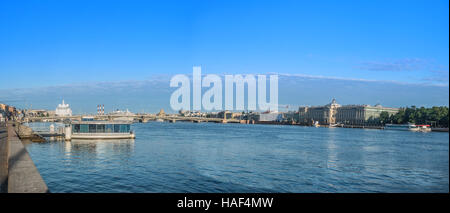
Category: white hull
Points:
column 103, row 136
column 413, row 129
column 425, row 130
column 403, row 129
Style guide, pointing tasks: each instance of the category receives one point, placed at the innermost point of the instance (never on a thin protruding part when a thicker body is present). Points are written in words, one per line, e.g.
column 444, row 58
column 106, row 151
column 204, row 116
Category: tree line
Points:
column 435, row 116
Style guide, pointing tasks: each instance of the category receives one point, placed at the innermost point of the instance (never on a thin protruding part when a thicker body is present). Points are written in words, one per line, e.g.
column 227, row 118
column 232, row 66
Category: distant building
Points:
column 122, row 115
column 161, row 113
column 236, row 115
column 37, row 112
column 213, row 115
column 270, row 116
column 11, row 109
column 264, row 116
column 322, row 114
column 225, row 114
column 63, row 110
column 334, row 113
column 193, row 113
column 291, row 116
column 51, row 113
column 362, row 114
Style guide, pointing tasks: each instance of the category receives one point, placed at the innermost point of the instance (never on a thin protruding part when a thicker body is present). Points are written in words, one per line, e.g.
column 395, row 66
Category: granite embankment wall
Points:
column 18, row 173
column 3, row 158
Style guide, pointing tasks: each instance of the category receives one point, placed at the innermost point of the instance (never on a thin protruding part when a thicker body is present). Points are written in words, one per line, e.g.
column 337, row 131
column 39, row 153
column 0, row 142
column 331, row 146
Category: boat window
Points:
column 76, row 128
column 109, row 128
column 100, row 128
column 116, row 127
column 123, row 128
column 84, row 128
column 92, row 128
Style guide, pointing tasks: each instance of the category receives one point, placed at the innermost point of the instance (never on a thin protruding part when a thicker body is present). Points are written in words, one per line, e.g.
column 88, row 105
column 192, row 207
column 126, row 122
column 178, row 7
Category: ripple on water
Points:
column 207, row 157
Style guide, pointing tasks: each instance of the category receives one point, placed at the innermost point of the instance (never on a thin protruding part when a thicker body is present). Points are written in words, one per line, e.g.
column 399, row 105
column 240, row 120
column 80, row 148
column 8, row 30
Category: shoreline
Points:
column 247, row 122
column 19, row 173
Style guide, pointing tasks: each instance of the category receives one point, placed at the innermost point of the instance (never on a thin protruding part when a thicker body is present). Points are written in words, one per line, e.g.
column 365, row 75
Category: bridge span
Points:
column 134, row 118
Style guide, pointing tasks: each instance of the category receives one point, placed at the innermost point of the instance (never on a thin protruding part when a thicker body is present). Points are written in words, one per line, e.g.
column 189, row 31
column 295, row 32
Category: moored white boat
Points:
column 424, row 128
column 100, row 130
column 404, row 127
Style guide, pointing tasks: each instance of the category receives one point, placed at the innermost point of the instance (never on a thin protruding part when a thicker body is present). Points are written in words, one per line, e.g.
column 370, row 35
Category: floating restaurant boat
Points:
column 93, row 129
column 408, row 127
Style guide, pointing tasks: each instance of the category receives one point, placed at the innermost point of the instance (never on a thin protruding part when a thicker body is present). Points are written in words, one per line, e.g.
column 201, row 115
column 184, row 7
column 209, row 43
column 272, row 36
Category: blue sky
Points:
column 54, row 43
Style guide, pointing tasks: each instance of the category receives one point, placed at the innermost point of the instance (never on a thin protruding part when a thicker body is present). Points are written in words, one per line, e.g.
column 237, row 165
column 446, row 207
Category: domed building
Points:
column 63, row 110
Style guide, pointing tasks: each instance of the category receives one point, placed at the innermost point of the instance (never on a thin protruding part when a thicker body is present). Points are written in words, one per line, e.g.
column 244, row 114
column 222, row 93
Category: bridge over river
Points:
column 135, row 118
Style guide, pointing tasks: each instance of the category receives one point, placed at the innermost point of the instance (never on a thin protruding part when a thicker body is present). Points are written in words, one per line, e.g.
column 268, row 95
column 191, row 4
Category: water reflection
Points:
column 331, row 150
column 186, row 157
column 100, row 147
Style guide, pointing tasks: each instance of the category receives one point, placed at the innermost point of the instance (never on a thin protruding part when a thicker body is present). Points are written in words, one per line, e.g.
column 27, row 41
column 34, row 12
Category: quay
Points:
column 18, row 173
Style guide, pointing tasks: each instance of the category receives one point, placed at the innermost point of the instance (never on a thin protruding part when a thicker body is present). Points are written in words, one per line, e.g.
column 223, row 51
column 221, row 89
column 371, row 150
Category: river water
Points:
column 210, row 157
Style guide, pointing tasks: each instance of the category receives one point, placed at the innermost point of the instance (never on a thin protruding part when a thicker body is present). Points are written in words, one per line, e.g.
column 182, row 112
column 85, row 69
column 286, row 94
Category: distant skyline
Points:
column 294, row 90
column 62, row 44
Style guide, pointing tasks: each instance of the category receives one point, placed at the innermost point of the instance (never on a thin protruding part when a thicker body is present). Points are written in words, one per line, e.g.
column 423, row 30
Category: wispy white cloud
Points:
column 425, row 83
column 161, row 83
column 399, row 65
column 440, row 76
column 295, row 89
column 435, row 74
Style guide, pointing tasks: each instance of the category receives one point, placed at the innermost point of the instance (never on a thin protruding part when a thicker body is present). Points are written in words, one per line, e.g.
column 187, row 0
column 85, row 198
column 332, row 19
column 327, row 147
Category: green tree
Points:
column 384, row 117
column 422, row 115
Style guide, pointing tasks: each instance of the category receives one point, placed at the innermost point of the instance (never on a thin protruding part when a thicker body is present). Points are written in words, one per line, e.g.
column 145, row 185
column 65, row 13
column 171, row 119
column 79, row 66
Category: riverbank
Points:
column 334, row 126
column 18, row 173
column 25, row 132
column 439, row 129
